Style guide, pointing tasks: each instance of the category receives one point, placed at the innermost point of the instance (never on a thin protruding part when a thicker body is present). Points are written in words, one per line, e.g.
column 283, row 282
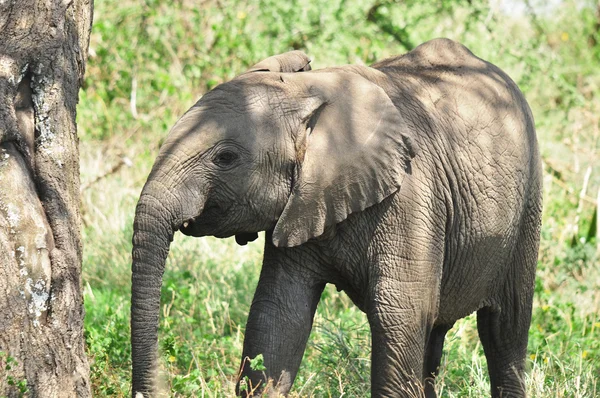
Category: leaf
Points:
column 258, row 363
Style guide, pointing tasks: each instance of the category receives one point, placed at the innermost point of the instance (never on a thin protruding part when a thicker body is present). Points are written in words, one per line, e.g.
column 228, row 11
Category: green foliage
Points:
column 108, row 341
column 340, row 349
column 18, row 384
column 258, row 363
column 150, row 60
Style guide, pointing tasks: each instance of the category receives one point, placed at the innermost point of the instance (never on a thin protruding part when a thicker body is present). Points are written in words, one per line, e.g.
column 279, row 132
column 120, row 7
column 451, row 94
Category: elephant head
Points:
column 271, row 150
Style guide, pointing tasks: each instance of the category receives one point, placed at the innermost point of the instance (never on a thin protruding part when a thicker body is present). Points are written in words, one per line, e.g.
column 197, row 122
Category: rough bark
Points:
column 43, row 48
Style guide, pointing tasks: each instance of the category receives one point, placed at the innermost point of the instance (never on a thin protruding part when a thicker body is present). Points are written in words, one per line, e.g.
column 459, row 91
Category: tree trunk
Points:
column 43, row 48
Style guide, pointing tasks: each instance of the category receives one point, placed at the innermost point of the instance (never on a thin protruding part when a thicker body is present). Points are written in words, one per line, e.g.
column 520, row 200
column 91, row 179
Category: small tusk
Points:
column 185, row 224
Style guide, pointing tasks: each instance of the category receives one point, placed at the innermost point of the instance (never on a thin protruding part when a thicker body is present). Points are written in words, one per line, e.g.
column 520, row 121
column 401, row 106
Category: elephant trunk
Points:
column 158, row 214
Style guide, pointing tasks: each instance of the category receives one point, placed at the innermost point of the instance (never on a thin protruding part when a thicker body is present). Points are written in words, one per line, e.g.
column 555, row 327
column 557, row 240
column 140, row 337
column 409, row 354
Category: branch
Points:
column 401, row 35
column 124, row 161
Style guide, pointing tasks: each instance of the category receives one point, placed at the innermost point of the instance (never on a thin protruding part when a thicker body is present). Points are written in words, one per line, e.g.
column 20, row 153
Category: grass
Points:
column 150, row 60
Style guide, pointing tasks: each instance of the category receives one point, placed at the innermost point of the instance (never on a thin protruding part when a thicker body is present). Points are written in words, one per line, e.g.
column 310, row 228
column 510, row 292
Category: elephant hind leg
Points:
column 503, row 329
column 504, row 339
column 433, row 357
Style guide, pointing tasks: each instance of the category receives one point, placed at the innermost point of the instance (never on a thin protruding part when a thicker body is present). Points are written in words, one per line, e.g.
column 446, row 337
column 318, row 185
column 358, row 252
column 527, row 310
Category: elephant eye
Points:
column 225, row 158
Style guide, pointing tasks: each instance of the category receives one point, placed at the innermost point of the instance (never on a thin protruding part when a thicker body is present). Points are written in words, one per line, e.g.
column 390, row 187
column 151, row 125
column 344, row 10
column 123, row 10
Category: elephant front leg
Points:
column 278, row 327
column 400, row 322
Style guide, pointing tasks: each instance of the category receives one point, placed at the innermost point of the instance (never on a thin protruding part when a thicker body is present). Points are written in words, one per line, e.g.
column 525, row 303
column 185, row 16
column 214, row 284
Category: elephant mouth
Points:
column 201, row 224
column 243, row 238
column 192, row 228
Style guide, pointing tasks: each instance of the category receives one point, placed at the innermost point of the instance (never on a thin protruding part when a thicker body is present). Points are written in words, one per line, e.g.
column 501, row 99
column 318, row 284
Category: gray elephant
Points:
column 414, row 185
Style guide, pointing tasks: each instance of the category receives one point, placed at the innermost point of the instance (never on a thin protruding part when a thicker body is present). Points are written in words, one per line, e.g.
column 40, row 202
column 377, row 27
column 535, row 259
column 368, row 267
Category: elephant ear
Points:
column 357, row 150
column 292, row 61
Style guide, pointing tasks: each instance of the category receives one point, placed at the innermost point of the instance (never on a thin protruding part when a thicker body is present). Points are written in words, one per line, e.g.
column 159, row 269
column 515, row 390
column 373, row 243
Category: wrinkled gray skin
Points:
column 414, row 185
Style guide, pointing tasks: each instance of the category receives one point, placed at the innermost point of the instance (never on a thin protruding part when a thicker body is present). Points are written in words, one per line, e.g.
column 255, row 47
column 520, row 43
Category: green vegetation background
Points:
column 150, row 60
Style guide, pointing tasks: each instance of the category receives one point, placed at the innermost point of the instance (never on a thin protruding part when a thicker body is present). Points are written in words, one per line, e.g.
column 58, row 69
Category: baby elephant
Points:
column 414, row 185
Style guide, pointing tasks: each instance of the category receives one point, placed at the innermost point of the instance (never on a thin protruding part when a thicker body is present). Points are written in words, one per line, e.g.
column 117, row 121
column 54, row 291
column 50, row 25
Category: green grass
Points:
column 150, row 60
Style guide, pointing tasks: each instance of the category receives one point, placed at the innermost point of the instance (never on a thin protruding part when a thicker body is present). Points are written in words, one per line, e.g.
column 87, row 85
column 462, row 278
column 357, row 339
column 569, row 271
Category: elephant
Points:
column 414, row 185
